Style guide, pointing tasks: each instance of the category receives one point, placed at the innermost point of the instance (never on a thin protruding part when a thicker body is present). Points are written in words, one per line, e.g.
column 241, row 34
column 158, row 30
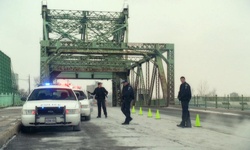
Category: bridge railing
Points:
column 7, row 100
column 237, row 103
column 204, row 102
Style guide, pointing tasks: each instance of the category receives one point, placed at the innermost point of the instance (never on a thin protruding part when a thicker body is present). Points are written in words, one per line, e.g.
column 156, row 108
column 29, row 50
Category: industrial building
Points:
column 8, row 79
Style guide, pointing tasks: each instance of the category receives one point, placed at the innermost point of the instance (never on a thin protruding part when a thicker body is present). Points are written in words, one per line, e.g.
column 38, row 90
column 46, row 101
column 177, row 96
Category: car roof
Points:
column 53, row 86
column 77, row 90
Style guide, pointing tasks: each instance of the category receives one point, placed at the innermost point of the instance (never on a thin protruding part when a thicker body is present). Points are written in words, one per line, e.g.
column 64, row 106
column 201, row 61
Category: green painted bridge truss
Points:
column 96, row 42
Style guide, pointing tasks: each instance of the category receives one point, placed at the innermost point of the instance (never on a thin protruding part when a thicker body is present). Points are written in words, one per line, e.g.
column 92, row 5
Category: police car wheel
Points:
column 77, row 127
column 88, row 117
column 82, row 118
column 27, row 129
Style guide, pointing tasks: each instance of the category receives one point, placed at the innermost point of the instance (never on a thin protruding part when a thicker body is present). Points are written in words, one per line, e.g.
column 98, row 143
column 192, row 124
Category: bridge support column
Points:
column 170, row 76
column 143, row 88
column 162, row 78
column 136, row 85
column 151, row 86
column 116, row 86
column 44, row 67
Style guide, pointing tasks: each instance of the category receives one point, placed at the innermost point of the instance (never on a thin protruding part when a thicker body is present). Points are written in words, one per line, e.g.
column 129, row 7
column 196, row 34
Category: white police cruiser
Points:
column 51, row 105
column 86, row 104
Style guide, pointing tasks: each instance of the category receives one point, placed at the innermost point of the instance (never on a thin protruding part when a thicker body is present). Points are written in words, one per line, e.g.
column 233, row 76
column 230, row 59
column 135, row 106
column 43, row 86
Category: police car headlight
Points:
column 28, row 112
column 72, row 111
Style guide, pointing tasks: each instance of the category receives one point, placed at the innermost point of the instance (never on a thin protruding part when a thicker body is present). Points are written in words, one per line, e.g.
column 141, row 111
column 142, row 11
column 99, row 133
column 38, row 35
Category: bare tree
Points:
column 203, row 88
column 192, row 91
column 212, row 93
column 23, row 92
column 37, row 80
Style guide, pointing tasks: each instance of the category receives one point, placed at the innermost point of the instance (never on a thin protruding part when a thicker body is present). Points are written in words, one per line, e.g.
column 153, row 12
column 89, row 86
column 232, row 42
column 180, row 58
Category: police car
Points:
column 86, row 104
column 51, row 105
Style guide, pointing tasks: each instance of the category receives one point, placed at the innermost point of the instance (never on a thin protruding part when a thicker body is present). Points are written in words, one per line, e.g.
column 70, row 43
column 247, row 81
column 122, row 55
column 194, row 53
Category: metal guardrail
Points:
column 236, row 103
column 7, row 100
column 154, row 102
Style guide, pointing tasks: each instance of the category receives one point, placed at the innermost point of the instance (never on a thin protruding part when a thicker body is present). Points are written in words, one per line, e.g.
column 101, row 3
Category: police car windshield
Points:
column 80, row 93
column 52, row 94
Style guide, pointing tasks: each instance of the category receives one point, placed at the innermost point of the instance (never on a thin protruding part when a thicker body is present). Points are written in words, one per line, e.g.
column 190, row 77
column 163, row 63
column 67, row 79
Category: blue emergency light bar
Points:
column 45, row 84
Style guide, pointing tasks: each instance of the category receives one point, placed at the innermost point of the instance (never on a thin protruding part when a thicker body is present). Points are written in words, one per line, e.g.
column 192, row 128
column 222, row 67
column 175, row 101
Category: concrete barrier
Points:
column 6, row 135
column 7, row 100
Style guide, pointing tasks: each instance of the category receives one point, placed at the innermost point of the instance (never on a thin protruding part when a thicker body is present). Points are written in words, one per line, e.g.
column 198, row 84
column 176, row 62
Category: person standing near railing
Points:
column 185, row 96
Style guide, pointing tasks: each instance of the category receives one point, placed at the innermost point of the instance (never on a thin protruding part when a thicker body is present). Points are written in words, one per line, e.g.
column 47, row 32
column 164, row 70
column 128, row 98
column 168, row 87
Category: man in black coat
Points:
column 100, row 95
column 185, row 96
column 127, row 97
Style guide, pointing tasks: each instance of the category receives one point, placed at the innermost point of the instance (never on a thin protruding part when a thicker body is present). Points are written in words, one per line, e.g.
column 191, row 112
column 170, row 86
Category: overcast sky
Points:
column 211, row 37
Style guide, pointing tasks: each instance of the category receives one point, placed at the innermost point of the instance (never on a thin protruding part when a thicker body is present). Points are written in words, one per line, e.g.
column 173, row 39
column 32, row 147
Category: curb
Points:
column 9, row 133
column 218, row 112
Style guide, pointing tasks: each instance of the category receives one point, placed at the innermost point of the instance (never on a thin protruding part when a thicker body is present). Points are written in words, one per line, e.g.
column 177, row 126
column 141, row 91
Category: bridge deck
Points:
column 217, row 132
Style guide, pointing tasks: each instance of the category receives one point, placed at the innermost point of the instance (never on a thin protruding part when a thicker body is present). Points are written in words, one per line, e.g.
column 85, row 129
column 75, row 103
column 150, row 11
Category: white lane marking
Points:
column 210, row 111
column 6, row 144
column 217, row 112
column 4, row 116
column 63, row 139
column 232, row 114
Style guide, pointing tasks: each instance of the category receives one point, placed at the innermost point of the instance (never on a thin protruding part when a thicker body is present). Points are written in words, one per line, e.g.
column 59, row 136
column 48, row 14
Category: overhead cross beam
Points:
column 97, row 41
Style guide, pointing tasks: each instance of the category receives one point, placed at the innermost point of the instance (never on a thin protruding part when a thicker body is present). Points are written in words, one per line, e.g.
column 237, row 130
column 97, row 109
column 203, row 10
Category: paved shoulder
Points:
column 9, row 123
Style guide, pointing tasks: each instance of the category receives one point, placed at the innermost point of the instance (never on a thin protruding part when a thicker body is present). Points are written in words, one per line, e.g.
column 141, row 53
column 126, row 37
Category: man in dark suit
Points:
column 100, row 95
column 127, row 97
column 185, row 96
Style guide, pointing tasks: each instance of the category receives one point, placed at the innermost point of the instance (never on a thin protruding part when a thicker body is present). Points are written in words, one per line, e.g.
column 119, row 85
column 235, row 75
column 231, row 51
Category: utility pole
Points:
column 29, row 83
column 27, row 80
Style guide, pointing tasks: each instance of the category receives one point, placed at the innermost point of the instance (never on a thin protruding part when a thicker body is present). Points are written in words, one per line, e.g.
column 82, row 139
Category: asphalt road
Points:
column 223, row 121
column 225, row 118
column 91, row 137
column 217, row 132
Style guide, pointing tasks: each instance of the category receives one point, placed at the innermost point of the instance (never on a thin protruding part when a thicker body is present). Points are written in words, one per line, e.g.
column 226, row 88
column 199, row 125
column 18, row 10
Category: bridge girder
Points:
column 96, row 41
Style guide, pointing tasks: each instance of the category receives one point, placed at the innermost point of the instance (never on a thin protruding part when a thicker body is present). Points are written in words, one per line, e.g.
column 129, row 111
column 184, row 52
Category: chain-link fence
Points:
column 7, row 100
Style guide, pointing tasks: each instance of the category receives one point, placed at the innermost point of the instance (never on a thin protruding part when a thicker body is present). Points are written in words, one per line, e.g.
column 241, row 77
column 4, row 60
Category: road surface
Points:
column 142, row 134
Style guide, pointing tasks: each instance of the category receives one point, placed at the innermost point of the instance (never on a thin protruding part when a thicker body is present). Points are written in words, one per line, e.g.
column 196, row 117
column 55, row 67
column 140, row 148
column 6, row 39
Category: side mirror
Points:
column 81, row 98
column 23, row 99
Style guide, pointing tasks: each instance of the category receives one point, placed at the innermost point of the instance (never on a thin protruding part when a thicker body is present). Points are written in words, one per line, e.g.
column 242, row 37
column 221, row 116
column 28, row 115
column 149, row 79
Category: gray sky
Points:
column 211, row 37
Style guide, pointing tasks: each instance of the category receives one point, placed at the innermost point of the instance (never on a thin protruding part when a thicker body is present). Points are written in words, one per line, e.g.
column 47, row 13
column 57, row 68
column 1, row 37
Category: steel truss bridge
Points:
column 80, row 44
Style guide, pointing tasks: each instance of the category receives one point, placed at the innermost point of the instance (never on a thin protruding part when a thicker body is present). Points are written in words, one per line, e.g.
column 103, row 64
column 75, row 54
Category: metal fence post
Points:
column 194, row 99
column 205, row 102
column 13, row 99
column 242, row 104
column 197, row 101
column 216, row 101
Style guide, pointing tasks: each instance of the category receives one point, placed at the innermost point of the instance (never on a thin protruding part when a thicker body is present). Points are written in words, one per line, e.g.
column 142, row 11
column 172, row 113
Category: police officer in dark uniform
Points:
column 184, row 96
column 100, row 95
column 127, row 97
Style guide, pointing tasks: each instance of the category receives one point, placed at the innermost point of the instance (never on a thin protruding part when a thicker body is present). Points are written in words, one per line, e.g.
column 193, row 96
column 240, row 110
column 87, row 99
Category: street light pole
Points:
column 29, row 83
